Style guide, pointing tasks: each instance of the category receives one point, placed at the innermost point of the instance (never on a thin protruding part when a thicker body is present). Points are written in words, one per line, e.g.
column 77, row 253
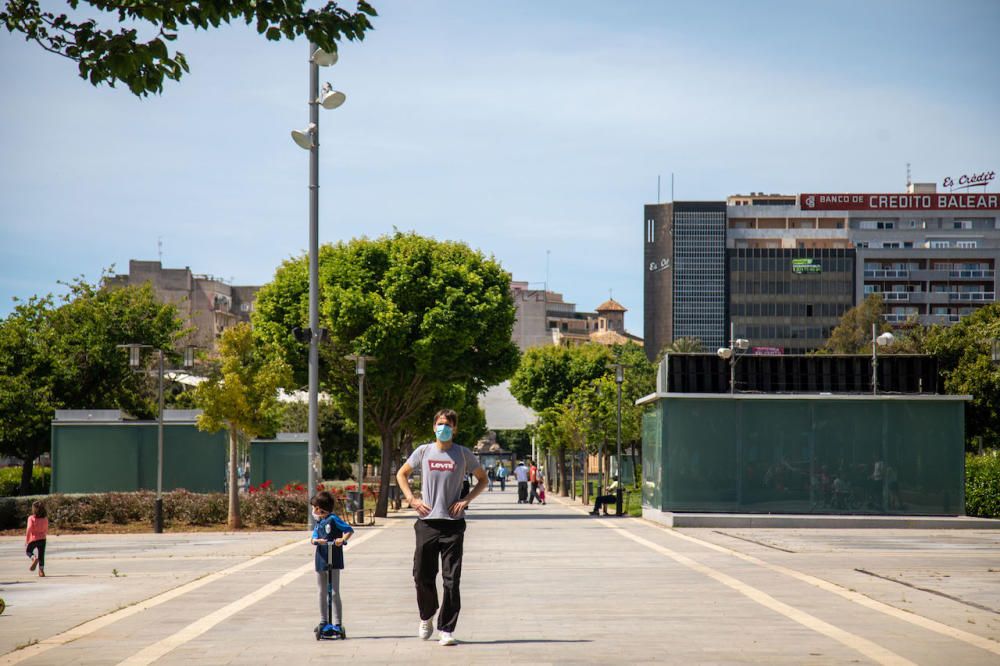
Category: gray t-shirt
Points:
column 442, row 473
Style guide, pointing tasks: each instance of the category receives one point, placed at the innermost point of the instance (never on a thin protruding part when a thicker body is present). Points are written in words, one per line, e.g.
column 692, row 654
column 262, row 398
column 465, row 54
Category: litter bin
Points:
column 353, row 505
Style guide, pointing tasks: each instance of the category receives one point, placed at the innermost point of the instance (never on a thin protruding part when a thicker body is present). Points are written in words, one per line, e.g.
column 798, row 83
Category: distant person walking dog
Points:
column 440, row 525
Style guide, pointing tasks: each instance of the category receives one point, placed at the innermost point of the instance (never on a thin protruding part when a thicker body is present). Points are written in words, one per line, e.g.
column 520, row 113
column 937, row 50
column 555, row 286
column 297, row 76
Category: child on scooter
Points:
column 329, row 529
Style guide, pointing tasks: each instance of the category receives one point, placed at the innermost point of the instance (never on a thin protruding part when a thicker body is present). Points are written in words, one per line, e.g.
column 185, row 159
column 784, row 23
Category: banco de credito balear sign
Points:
column 943, row 201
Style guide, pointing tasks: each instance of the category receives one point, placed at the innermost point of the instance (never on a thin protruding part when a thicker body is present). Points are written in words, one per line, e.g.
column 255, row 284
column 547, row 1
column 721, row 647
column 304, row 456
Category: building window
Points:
column 937, row 244
column 963, row 224
column 965, row 244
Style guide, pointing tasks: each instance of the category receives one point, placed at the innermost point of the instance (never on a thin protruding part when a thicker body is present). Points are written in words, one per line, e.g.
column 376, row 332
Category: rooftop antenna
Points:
column 657, row 188
column 159, row 248
column 671, row 187
column 909, row 181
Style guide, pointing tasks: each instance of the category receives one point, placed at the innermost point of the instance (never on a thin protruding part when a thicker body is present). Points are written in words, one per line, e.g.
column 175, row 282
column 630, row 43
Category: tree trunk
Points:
column 563, row 486
column 586, row 474
column 385, row 469
column 235, row 522
column 27, row 468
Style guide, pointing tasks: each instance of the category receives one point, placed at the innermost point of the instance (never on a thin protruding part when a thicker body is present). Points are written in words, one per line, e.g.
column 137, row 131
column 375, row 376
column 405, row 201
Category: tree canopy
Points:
column 965, row 354
column 547, row 375
column 121, row 54
column 853, row 335
column 434, row 314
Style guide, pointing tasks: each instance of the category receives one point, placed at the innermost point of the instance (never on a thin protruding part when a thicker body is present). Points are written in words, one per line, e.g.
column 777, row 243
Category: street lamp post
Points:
column 879, row 341
column 731, row 354
column 134, row 361
column 619, row 379
column 309, row 140
column 360, row 362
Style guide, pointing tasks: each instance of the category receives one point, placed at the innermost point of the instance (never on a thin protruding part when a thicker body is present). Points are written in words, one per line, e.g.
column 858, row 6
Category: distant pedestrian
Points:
column 440, row 525
column 541, row 489
column 521, row 474
column 34, row 537
column 533, row 481
column 491, row 475
column 329, row 561
column 502, row 476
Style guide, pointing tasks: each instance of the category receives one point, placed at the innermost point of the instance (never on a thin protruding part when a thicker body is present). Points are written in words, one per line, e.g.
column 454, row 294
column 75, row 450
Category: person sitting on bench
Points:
column 602, row 501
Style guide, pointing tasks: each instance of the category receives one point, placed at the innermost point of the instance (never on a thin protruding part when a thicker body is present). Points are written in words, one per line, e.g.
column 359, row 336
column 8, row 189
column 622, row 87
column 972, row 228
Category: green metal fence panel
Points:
column 871, row 455
column 122, row 457
column 278, row 461
column 652, row 467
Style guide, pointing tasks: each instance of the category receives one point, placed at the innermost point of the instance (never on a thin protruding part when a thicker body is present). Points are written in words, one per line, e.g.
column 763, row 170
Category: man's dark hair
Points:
column 449, row 414
column 323, row 500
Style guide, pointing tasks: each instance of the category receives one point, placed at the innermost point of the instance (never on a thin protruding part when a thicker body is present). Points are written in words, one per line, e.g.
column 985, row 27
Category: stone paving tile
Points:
column 540, row 585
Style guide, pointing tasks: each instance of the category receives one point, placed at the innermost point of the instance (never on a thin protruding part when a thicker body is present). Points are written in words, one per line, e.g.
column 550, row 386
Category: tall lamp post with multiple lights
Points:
column 309, row 140
column 135, row 362
column 732, row 354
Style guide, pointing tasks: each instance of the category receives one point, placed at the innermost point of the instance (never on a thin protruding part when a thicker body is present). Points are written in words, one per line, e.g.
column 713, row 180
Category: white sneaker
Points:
column 447, row 639
column 426, row 629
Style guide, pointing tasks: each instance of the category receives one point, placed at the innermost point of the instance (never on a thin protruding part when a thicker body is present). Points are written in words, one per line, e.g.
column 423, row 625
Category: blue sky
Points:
column 518, row 127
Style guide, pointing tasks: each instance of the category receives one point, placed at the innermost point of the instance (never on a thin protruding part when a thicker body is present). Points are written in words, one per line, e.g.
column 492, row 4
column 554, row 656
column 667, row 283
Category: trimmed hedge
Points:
column 179, row 508
column 982, row 485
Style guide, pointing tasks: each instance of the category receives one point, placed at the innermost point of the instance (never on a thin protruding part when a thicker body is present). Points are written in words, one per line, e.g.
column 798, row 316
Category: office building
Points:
column 931, row 255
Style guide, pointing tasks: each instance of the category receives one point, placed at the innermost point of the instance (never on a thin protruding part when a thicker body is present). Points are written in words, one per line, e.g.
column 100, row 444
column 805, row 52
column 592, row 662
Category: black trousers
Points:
column 442, row 539
column 40, row 546
column 604, row 500
column 522, row 491
column 534, row 493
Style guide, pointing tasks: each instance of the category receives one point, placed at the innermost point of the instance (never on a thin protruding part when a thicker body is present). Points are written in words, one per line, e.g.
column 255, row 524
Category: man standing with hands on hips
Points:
column 440, row 525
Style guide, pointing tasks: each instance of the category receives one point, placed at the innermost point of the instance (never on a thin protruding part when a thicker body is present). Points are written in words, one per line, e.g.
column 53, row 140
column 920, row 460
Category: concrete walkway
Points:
column 541, row 584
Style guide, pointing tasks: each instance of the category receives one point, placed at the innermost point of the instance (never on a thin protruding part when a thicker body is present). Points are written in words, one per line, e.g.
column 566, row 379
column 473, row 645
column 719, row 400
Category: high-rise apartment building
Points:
column 795, row 263
column 685, row 273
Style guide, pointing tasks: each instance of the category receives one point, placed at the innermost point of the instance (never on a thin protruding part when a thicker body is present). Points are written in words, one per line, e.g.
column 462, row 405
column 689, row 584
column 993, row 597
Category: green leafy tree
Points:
column 434, row 314
column 242, row 397
column 63, row 355
column 120, row 55
column 27, row 390
column 853, row 335
column 964, row 353
column 547, row 375
column 92, row 372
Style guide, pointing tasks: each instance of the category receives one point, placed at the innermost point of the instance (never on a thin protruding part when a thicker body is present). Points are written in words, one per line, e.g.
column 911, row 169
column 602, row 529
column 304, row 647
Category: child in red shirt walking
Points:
column 38, row 529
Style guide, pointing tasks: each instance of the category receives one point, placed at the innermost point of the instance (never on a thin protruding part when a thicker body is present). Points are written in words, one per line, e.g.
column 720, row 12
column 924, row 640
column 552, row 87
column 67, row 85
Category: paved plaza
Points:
column 541, row 584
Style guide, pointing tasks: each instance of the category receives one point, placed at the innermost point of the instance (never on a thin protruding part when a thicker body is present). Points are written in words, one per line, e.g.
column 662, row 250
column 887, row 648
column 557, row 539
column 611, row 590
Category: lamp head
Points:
column 742, row 344
column 304, row 138
column 330, row 98
column 725, row 353
column 885, row 339
column 324, row 59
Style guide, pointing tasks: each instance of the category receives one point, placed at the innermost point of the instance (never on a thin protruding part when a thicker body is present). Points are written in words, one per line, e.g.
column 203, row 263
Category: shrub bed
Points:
column 982, row 485
column 180, row 508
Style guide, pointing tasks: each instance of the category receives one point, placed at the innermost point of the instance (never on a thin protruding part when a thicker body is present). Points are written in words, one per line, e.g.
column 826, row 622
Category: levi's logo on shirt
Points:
column 440, row 465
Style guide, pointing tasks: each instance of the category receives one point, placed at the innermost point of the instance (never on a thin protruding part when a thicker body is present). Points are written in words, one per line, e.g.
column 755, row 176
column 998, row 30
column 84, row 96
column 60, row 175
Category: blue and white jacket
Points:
column 330, row 528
